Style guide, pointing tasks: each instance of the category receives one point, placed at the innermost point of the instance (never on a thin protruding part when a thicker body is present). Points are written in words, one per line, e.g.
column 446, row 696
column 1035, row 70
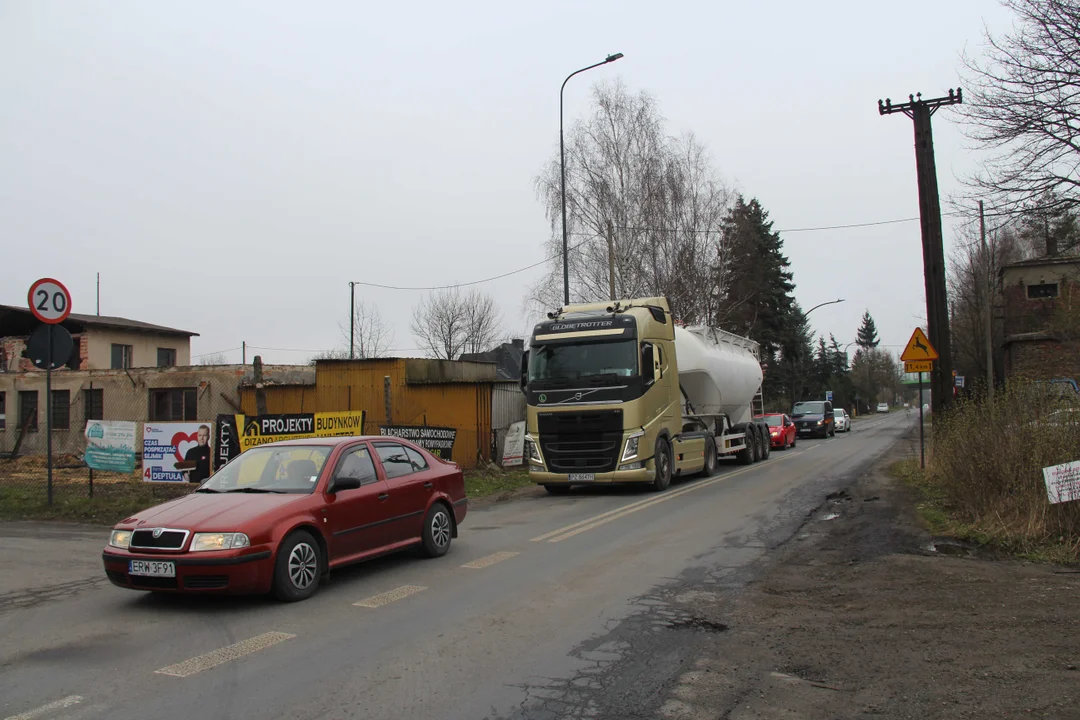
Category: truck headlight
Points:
column 532, row 452
column 631, row 450
column 219, row 541
column 120, row 539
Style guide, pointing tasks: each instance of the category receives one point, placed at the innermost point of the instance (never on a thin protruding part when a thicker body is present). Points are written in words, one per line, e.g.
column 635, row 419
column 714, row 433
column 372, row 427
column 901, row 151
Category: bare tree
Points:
column 371, row 337
column 1023, row 105
column 448, row 323
column 659, row 194
column 218, row 358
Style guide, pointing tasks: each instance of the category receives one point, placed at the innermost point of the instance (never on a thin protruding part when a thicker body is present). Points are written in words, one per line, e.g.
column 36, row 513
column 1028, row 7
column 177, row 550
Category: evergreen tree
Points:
column 757, row 300
column 867, row 337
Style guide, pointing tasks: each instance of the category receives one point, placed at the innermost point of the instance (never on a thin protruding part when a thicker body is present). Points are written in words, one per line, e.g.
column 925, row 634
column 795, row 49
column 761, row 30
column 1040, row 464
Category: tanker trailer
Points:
column 617, row 393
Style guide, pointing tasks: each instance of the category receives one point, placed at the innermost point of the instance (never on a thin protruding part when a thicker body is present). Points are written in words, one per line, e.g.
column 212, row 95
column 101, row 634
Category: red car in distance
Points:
column 280, row 516
column 781, row 430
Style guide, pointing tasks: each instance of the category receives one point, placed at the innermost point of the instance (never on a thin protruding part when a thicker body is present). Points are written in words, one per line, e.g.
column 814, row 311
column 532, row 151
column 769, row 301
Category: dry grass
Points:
column 984, row 473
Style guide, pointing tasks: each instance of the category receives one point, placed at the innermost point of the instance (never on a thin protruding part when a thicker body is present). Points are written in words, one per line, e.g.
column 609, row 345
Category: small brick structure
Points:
column 1042, row 317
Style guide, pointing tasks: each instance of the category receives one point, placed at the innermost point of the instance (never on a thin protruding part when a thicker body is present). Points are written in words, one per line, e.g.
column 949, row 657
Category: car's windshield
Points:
column 809, row 408
column 774, row 420
column 559, row 362
column 275, row 469
column 838, row 413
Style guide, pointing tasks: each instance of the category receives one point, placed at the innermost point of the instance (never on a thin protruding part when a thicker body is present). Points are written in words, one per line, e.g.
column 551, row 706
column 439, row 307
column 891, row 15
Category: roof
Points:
column 1043, row 261
column 506, row 357
column 16, row 320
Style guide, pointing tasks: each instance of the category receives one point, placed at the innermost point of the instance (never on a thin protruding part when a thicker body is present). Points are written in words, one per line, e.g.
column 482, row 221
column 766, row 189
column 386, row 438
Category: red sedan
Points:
column 280, row 516
column 781, row 430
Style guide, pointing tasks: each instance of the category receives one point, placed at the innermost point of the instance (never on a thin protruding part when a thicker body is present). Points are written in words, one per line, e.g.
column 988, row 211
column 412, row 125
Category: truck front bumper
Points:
column 643, row 474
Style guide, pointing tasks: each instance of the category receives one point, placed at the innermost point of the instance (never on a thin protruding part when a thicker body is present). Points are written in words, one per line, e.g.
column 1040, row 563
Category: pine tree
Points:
column 758, row 299
column 867, row 337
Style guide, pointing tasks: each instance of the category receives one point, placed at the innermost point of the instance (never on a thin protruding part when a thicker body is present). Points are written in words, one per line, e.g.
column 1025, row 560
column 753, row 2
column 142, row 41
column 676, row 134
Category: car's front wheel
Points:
column 438, row 529
column 298, row 567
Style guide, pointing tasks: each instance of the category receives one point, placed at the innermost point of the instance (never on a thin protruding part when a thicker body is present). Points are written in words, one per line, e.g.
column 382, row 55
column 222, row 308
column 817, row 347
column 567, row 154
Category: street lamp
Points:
column 794, row 370
column 562, row 169
column 831, row 302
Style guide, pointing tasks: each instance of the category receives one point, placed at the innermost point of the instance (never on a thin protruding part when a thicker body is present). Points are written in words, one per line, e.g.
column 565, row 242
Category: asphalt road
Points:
column 564, row 612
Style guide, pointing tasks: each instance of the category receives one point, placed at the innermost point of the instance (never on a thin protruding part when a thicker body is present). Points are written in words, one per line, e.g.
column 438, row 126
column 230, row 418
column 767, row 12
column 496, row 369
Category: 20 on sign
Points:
column 49, row 301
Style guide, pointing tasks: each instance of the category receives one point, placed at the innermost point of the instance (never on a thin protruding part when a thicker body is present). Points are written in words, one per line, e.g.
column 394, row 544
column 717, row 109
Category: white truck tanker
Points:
column 617, row 393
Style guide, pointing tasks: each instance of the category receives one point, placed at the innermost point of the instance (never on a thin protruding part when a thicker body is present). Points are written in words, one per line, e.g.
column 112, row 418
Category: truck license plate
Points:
column 152, row 568
column 582, row 477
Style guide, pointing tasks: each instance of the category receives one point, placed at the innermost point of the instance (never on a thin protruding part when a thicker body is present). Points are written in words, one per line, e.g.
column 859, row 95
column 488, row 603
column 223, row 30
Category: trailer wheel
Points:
column 662, row 463
column 710, row 458
column 766, row 445
column 746, row 455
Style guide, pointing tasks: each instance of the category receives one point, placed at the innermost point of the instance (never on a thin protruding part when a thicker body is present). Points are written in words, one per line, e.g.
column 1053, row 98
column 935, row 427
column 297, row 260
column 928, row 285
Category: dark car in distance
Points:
column 280, row 516
column 814, row 418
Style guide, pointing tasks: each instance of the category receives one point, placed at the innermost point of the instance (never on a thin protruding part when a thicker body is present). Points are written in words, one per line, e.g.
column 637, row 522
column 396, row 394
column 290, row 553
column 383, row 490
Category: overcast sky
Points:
column 228, row 167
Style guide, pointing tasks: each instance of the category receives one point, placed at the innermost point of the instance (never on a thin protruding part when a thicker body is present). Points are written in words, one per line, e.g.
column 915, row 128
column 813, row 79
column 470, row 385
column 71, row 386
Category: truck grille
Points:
column 166, row 540
column 574, row 442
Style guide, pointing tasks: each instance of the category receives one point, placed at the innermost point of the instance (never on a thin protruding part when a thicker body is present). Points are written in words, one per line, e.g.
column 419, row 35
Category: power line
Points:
column 217, row 352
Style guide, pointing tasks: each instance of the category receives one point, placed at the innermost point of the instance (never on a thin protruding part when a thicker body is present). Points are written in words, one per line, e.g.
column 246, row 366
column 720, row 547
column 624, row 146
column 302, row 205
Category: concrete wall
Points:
column 126, row 396
column 144, row 347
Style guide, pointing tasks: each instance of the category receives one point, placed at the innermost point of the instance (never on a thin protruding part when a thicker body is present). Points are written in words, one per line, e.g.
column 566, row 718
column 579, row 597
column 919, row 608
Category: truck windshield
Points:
column 571, row 362
column 809, row 408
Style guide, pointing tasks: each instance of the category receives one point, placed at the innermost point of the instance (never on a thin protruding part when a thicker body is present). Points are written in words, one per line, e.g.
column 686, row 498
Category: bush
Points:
column 986, row 458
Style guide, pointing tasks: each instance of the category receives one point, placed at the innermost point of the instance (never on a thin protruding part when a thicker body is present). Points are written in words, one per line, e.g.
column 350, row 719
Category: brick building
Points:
column 1042, row 317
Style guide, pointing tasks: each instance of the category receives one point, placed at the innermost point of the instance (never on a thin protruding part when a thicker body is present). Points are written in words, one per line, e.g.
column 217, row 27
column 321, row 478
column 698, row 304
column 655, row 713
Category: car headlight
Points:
column 532, row 452
column 821, row 421
column 120, row 539
column 631, row 449
column 219, row 541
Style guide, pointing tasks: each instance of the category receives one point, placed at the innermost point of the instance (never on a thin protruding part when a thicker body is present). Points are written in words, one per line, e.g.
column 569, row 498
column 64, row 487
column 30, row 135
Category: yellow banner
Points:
column 255, row 431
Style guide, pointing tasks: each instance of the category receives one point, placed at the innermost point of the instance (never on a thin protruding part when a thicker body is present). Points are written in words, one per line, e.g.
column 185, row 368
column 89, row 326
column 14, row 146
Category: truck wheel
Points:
column 662, row 463
column 746, row 455
column 710, row 458
column 766, row 445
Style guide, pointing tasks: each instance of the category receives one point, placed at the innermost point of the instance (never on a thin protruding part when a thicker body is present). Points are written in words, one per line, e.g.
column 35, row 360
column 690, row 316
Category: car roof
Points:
column 332, row 441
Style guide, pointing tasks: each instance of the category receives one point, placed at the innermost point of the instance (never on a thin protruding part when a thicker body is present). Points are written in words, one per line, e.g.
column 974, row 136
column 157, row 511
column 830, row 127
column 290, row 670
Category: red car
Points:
column 781, row 430
column 280, row 516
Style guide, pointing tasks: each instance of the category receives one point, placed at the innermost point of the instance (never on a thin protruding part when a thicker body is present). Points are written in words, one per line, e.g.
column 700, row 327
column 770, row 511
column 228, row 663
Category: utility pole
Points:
column 352, row 320
column 937, row 311
column 988, row 327
column 611, row 259
column 243, row 352
column 99, row 294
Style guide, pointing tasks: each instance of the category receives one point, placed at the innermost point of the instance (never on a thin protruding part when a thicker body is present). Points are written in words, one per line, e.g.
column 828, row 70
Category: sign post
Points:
column 50, row 302
column 919, row 356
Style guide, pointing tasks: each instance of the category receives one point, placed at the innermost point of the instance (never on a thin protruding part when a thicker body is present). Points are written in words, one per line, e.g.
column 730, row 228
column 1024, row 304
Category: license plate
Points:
column 152, row 568
column 582, row 477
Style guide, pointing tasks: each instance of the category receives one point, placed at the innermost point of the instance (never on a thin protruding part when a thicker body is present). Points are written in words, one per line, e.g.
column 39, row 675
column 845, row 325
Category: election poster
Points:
column 439, row 441
column 110, row 446
column 177, row 452
column 239, row 433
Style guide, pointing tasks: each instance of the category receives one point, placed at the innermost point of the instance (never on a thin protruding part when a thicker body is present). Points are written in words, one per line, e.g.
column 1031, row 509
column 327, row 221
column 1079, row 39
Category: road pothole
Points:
column 697, row 623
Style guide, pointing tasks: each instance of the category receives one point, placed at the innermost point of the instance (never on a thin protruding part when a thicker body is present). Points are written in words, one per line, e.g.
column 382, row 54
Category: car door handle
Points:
column 384, row 496
column 428, row 485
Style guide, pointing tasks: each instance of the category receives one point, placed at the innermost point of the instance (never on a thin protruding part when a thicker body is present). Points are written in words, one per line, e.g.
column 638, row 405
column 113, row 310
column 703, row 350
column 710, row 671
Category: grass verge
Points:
column 941, row 517
column 112, row 502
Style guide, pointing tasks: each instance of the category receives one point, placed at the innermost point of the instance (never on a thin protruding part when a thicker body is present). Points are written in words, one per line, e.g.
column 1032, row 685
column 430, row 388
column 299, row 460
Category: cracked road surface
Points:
column 545, row 607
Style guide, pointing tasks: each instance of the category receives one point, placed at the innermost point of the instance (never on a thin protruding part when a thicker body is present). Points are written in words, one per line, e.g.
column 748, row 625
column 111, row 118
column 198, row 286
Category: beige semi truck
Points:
column 617, row 392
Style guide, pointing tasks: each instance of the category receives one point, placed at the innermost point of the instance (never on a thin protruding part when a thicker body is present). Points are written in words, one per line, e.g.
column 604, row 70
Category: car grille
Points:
column 168, row 540
column 206, row 582
column 574, row 442
column 153, row 583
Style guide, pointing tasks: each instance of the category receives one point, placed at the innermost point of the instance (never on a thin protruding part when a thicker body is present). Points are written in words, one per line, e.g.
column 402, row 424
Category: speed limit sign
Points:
column 49, row 300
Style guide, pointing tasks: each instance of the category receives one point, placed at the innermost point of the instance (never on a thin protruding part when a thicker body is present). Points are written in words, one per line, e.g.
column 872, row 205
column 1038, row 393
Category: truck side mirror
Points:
column 648, row 363
column 523, row 379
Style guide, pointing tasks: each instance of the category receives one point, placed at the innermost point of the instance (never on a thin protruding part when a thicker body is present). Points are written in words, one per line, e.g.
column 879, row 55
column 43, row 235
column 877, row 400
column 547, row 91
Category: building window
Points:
column 3, row 411
column 166, row 357
column 61, row 409
column 121, row 357
column 94, row 404
column 173, row 405
column 1042, row 291
column 28, row 410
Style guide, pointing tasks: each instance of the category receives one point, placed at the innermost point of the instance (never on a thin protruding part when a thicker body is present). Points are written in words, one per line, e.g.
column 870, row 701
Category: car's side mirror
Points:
column 524, row 377
column 344, row 482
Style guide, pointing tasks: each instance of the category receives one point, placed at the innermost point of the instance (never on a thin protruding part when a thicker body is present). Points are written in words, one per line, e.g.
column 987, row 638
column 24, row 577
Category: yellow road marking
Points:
column 225, row 654
column 490, row 560
column 620, row 512
column 390, row 596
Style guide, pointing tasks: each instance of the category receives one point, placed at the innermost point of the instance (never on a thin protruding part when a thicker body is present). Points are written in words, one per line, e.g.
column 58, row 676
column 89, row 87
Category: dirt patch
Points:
column 863, row 614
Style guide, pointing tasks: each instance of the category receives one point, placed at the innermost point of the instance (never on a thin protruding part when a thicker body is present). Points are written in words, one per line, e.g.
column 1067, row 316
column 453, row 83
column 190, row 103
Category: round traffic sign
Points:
column 49, row 300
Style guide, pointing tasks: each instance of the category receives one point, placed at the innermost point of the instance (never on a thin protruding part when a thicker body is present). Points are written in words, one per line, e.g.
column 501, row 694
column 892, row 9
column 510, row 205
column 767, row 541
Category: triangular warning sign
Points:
column 919, row 348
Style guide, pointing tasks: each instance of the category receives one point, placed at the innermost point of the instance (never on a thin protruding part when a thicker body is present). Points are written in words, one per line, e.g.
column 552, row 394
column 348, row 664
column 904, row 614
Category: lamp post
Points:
column 793, row 366
column 562, row 170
